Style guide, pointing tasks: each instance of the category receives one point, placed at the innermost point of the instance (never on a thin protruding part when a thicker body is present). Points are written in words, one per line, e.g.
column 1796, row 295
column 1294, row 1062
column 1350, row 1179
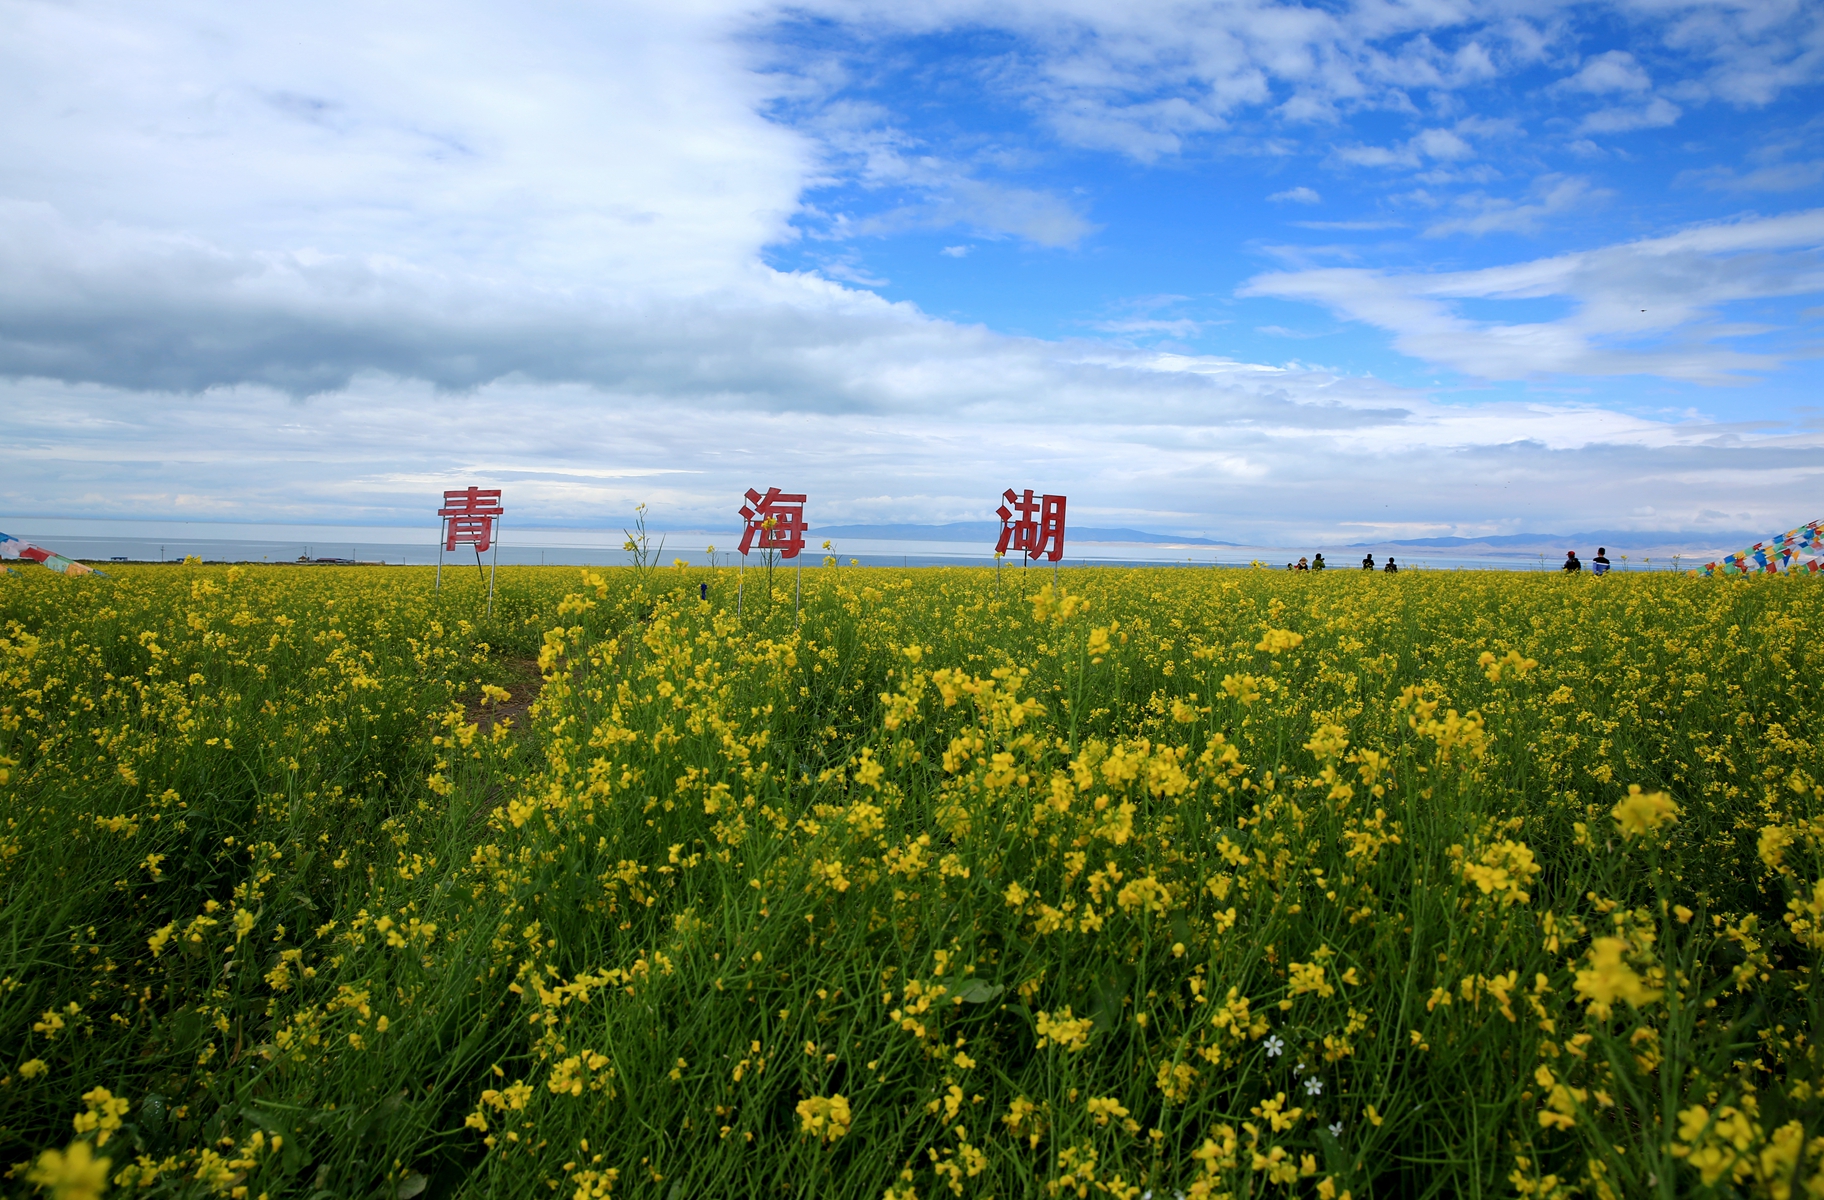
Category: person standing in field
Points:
column 1600, row 564
column 1302, row 564
column 1317, row 561
column 1392, row 568
column 1367, row 562
column 1571, row 565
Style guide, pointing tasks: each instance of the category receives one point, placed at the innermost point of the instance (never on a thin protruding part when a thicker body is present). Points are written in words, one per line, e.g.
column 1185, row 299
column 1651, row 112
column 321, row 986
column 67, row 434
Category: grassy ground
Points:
column 1202, row 882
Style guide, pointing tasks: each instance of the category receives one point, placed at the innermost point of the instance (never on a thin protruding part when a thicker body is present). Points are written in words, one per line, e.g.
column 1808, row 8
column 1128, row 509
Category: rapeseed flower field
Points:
column 323, row 883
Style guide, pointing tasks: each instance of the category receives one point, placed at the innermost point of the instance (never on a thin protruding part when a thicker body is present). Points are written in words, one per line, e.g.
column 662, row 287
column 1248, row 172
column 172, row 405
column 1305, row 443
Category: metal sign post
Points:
column 493, row 567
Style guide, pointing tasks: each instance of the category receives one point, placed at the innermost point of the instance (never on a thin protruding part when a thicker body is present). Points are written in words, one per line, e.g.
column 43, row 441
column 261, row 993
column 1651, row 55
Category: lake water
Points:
column 167, row 541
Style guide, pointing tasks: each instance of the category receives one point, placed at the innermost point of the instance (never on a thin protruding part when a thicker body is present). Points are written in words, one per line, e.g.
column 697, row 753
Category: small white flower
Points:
column 1299, row 1069
column 1275, row 1047
column 1336, row 1130
column 1314, row 1086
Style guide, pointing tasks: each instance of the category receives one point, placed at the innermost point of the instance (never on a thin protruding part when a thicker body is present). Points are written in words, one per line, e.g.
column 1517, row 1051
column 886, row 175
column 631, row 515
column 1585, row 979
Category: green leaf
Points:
column 977, row 991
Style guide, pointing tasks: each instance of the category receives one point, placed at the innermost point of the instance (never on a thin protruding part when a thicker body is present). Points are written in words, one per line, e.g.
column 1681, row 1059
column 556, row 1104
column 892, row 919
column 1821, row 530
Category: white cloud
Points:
column 1644, row 307
column 1298, row 195
column 1442, row 144
column 1436, row 145
column 988, row 209
column 1182, row 327
column 1775, row 177
column 603, row 148
column 1654, row 114
column 1377, row 156
column 848, row 270
column 941, row 192
column 1145, row 131
column 1238, row 451
column 1144, row 78
column 955, row 251
column 137, row 308
column 1602, row 74
column 1553, row 194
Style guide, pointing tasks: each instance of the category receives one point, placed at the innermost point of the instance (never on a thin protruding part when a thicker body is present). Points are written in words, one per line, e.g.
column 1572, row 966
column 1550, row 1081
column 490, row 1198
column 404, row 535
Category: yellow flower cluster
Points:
column 824, row 1117
column 939, row 883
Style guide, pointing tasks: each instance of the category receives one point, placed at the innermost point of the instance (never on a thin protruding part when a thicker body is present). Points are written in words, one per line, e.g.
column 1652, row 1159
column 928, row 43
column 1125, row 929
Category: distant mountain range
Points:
column 1617, row 538
column 985, row 532
column 988, row 531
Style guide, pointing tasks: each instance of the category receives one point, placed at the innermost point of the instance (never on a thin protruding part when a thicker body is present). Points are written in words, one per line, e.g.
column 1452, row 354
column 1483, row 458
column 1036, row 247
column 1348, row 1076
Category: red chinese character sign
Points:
column 774, row 521
column 1039, row 531
column 469, row 516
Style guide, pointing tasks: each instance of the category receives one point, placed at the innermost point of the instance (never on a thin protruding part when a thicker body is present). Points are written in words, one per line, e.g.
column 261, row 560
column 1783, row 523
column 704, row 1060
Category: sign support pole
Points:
column 440, row 536
column 495, row 566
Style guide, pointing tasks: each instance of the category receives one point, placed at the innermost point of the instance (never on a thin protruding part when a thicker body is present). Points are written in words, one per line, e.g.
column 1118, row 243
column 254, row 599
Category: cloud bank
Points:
column 1622, row 296
column 269, row 264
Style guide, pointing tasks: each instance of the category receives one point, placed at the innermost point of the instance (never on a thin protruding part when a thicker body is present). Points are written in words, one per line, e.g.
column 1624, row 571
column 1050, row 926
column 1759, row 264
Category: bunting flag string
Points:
column 12, row 547
column 1775, row 555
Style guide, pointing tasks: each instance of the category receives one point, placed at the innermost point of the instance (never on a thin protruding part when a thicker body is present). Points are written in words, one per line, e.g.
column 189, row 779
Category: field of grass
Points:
column 1217, row 883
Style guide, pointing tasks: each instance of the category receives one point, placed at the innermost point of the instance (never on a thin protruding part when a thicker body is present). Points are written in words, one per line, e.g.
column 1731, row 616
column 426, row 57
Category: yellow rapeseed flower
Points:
column 1071, row 1033
column 73, row 1174
column 1609, row 978
column 824, row 1117
column 1276, row 640
column 1643, row 812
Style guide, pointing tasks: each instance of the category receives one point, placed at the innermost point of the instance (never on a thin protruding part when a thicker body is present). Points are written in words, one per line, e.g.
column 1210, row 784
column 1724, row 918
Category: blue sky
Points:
column 1150, row 237
column 1265, row 271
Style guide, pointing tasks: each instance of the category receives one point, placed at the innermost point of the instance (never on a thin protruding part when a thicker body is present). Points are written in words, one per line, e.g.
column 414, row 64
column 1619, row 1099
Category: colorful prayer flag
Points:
column 12, row 547
column 1772, row 556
